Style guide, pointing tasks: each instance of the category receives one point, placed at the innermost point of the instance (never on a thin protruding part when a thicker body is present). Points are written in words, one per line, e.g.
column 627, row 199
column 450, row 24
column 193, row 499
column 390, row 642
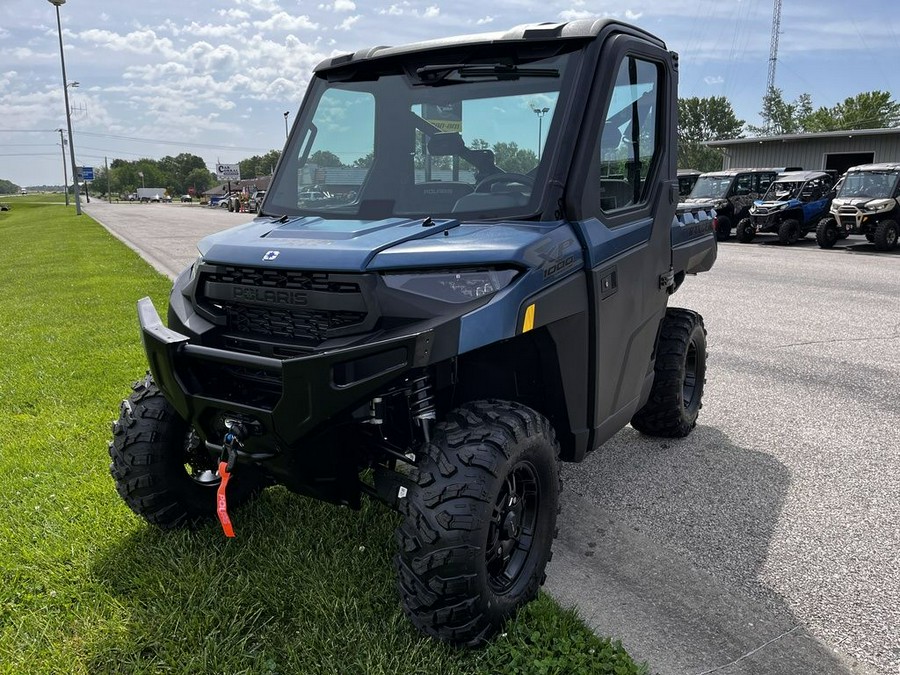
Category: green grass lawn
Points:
column 87, row 587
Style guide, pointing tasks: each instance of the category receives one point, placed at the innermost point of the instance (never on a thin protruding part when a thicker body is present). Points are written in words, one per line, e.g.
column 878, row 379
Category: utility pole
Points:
column 108, row 193
column 62, row 144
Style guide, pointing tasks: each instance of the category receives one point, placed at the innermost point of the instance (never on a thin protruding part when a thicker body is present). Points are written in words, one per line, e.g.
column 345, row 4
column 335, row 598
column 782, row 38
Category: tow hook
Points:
column 231, row 442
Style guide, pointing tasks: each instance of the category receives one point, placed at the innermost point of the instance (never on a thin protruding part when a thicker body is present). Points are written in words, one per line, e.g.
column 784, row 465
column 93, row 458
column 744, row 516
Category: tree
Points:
column 201, row 179
column 780, row 117
column 866, row 110
column 325, row 158
column 8, row 188
column 513, row 159
column 259, row 165
column 700, row 120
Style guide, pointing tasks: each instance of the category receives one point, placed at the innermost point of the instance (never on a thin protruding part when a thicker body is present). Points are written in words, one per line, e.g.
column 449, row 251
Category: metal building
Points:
column 838, row 150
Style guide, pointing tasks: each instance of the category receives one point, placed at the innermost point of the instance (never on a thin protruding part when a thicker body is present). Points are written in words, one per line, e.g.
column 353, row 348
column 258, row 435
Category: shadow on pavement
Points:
column 661, row 544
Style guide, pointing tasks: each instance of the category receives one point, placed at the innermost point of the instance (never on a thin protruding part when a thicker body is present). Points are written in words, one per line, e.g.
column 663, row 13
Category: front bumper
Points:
column 298, row 394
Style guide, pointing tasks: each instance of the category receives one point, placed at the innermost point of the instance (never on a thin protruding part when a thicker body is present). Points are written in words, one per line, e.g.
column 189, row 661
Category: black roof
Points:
column 537, row 32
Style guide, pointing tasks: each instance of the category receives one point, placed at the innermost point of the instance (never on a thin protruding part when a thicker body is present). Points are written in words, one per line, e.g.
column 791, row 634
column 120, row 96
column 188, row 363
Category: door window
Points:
column 629, row 141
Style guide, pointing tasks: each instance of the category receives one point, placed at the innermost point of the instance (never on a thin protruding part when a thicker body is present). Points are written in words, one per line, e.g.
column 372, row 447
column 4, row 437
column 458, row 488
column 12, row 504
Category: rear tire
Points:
column 826, row 232
column 160, row 467
column 745, row 230
column 789, row 231
column 680, row 373
column 479, row 521
column 886, row 234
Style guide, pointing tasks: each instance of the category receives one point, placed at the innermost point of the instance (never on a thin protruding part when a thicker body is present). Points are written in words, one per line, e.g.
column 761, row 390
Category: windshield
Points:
column 711, row 187
column 426, row 139
column 780, row 191
column 871, row 184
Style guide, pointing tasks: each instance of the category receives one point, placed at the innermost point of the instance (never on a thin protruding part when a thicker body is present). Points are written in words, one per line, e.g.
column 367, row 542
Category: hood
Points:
column 861, row 201
column 776, row 203
column 314, row 243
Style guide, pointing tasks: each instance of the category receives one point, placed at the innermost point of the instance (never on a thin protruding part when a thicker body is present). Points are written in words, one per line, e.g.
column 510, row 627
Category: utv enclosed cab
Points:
column 791, row 207
column 867, row 203
column 731, row 192
column 479, row 289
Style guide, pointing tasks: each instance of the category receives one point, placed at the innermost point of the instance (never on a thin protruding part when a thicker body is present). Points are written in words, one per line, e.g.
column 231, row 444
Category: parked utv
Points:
column 791, row 207
column 450, row 323
column 731, row 192
column 867, row 203
column 687, row 178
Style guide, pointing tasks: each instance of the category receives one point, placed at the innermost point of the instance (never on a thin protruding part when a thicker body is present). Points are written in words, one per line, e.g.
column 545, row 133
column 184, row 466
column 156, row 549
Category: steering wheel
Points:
column 486, row 184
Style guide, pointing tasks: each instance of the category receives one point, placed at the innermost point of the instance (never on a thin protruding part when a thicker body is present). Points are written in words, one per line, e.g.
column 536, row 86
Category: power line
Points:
column 162, row 142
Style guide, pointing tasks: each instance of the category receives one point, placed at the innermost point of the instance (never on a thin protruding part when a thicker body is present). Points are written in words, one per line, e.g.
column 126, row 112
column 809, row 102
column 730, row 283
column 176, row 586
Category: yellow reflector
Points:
column 528, row 323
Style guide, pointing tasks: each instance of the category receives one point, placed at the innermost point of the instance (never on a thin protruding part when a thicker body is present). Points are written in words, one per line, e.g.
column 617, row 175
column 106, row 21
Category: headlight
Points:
column 455, row 287
column 195, row 266
column 753, row 208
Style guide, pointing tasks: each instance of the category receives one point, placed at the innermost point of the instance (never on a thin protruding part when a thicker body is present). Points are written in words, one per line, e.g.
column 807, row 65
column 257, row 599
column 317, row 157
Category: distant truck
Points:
column 151, row 194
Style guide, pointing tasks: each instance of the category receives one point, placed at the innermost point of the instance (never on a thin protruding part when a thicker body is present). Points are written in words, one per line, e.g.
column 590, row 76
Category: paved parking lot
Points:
column 767, row 542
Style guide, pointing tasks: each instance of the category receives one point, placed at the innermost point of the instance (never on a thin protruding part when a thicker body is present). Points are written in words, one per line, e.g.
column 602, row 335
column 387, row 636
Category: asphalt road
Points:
column 767, row 541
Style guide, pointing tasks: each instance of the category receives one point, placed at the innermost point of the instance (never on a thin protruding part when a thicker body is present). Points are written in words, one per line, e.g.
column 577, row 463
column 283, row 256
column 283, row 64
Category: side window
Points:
column 764, row 180
column 743, row 185
column 629, row 143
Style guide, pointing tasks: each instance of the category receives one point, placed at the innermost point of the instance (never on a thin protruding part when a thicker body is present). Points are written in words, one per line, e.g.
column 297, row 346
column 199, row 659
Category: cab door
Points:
column 625, row 203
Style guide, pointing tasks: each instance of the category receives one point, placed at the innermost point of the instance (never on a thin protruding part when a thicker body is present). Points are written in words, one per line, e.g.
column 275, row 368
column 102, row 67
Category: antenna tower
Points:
column 773, row 46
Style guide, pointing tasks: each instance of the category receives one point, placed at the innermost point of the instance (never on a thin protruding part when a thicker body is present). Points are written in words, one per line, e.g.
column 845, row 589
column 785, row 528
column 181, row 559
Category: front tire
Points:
column 160, row 467
column 479, row 521
column 680, row 373
column 789, row 231
column 886, row 233
column 745, row 231
column 826, row 232
column 723, row 228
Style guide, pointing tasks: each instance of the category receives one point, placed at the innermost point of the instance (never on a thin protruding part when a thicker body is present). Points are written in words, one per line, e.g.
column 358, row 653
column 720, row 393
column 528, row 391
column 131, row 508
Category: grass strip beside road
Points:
column 87, row 587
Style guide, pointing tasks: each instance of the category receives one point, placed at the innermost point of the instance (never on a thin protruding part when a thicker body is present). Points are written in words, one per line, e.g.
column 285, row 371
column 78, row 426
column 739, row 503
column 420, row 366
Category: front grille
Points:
column 288, row 279
column 848, row 221
column 283, row 306
column 288, row 324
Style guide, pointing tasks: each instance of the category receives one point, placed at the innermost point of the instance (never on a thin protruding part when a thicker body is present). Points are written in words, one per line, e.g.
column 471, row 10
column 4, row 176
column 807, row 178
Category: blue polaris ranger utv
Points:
column 458, row 277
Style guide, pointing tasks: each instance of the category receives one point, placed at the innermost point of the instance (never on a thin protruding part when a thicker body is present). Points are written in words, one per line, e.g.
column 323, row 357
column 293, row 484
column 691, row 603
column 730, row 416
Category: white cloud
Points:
column 339, row 6
column 138, row 42
column 234, row 14
column 286, row 22
column 405, row 9
column 260, row 5
column 717, row 79
column 347, row 23
column 485, row 19
column 575, row 14
column 633, row 16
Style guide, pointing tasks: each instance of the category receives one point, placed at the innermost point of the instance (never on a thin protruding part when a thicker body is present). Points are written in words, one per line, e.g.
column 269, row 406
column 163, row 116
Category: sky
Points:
column 215, row 78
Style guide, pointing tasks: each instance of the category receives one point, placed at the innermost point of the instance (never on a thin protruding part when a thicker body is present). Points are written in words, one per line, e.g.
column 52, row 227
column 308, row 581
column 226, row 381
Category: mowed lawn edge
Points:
column 87, row 587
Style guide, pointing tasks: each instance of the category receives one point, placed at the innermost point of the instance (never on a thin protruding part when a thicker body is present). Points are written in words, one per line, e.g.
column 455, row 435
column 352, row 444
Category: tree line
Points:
column 713, row 119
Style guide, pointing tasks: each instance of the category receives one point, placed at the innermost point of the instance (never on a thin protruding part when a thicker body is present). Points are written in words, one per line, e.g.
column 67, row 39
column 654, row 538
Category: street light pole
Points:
column 62, row 145
column 286, row 113
column 540, row 112
column 62, row 59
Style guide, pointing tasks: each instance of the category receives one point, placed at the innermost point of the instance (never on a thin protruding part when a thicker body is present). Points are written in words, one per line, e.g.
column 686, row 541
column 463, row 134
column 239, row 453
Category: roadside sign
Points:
column 228, row 171
column 87, row 173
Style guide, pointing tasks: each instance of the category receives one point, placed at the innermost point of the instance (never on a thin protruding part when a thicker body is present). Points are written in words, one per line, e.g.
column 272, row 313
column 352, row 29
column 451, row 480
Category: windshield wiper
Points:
column 501, row 71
